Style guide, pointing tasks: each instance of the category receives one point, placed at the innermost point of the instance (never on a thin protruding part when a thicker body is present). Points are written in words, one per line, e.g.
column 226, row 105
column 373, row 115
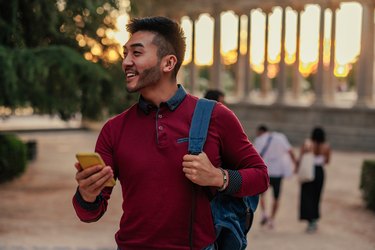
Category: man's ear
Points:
column 168, row 63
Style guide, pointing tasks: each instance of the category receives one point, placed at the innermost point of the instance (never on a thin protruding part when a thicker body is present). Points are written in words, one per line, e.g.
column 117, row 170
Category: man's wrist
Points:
column 86, row 204
column 224, row 180
column 87, row 198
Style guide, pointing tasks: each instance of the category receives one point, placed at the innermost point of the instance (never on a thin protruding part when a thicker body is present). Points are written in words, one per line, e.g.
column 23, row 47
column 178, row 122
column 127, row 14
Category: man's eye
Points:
column 137, row 53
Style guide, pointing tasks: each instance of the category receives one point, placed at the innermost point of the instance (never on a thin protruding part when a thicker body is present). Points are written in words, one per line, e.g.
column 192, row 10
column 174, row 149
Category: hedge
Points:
column 367, row 184
column 12, row 157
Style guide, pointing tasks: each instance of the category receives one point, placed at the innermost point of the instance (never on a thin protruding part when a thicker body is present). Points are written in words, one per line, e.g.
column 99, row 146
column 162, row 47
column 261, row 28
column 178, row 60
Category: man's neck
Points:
column 160, row 92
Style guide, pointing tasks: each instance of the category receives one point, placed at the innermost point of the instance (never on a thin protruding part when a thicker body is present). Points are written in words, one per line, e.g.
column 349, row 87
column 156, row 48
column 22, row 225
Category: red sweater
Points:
column 145, row 145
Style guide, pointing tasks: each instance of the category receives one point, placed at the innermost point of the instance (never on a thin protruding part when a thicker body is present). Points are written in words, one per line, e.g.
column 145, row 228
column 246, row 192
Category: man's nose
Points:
column 126, row 62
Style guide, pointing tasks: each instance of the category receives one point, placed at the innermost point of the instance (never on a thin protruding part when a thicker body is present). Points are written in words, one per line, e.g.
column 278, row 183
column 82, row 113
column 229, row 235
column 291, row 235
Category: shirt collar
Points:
column 172, row 103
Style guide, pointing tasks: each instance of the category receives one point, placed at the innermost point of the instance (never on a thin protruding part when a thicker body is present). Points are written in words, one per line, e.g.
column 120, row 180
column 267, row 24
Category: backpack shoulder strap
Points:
column 197, row 137
column 265, row 148
column 199, row 125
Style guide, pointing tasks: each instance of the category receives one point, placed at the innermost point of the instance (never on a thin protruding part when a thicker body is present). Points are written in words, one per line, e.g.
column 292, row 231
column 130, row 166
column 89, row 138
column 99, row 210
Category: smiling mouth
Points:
column 130, row 75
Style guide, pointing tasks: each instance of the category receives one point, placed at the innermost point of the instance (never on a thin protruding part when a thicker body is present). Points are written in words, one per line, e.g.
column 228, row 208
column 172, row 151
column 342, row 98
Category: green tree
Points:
column 41, row 56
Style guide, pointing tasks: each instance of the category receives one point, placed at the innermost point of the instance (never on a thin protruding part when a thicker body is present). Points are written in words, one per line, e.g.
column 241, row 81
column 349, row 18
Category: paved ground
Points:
column 36, row 211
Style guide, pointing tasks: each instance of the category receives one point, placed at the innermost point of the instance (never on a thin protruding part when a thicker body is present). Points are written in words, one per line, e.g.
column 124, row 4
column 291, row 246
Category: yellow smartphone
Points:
column 91, row 159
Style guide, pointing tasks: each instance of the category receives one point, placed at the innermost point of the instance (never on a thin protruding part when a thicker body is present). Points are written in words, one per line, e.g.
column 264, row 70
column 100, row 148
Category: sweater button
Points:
column 160, row 127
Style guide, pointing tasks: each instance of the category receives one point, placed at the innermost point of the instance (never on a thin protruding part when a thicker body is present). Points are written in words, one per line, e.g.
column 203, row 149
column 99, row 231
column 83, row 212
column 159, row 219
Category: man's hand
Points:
column 199, row 170
column 92, row 180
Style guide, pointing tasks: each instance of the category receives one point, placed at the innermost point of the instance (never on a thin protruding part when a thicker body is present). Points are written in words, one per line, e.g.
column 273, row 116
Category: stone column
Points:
column 281, row 77
column 192, row 65
column 216, row 67
column 265, row 81
column 240, row 63
column 331, row 81
column 296, row 77
column 176, row 17
column 248, row 81
column 319, row 77
column 365, row 88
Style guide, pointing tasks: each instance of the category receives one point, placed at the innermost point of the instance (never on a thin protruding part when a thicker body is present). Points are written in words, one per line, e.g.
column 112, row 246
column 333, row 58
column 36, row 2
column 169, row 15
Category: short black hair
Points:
column 170, row 37
column 262, row 128
column 318, row 135
column 213, row 94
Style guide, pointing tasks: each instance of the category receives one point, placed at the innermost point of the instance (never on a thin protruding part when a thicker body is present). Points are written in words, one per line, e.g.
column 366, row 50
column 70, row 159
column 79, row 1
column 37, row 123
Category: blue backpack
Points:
column 232, row 216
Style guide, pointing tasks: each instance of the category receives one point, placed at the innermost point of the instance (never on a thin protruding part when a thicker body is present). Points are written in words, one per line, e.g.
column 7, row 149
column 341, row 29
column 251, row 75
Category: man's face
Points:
column 141, row 64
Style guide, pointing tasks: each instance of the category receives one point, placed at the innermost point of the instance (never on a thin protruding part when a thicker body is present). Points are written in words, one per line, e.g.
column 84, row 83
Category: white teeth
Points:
column 130, row 74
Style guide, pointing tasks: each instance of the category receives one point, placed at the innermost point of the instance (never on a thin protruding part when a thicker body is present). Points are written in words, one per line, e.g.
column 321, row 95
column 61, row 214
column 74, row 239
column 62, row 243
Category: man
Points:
column 278, row 155
column 145, row 148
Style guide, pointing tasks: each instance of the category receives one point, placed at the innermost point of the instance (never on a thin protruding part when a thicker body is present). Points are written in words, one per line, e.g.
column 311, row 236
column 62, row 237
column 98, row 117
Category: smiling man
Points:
column 145, row 148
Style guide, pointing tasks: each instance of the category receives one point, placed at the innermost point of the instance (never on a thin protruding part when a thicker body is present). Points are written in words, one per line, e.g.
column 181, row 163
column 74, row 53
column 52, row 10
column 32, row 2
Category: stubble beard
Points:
column 148, row 77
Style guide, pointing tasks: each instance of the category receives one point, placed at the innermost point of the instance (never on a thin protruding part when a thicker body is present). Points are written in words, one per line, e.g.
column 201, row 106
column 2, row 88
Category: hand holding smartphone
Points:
column 87, row 160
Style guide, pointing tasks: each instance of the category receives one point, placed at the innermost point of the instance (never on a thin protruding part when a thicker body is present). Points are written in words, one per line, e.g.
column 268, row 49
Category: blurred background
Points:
column 290, row 64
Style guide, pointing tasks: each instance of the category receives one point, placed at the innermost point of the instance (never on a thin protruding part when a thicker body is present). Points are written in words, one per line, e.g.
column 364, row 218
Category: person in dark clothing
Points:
column 311, row 192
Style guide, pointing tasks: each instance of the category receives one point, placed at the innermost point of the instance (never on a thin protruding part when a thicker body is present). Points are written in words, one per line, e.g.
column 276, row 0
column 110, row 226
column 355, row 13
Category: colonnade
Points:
column 324, row 82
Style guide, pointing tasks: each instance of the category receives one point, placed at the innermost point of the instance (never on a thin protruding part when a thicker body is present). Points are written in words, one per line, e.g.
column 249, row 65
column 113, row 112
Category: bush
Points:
column 31, row 150
column 368, row 183
column 12, row 157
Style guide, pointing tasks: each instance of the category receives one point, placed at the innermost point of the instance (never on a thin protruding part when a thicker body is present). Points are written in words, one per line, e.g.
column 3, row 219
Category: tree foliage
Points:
column 42, row 60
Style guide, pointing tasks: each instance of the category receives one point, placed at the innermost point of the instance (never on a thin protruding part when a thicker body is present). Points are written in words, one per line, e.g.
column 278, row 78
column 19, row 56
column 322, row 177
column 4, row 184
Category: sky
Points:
column 348, row 26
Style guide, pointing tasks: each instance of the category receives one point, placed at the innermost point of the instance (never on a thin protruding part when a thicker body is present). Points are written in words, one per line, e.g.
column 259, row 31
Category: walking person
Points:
column 145, row 149
column 311, row 192
column 278, row 155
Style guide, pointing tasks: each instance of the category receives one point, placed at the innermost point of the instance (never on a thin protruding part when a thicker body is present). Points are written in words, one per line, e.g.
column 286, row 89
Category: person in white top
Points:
column 310, row 195
column 278, row 155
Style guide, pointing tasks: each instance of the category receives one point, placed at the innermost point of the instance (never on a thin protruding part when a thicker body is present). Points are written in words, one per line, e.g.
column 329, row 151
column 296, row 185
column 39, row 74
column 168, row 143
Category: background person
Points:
column 311, row 191
column 215, row 94
column 278, row 155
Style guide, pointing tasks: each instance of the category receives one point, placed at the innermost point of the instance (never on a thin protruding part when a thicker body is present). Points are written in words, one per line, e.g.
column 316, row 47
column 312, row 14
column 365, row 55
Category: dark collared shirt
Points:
column 145, row 146
column 172, row 103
